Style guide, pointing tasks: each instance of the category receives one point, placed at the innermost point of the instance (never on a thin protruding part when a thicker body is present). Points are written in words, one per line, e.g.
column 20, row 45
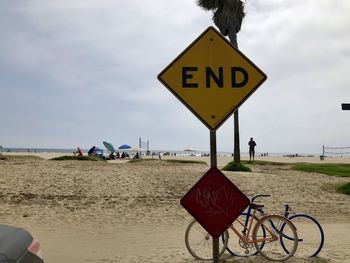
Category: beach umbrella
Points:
column 189, row 150
column 124, row 146
column 136, row 149
column 109, row 146
column 98, row 151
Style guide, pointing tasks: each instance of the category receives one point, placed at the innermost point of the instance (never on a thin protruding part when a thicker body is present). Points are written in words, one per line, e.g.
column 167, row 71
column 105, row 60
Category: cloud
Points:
column 89, row 67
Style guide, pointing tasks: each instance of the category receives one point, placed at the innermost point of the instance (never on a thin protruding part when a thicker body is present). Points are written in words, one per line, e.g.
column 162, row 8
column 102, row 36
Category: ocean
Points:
column 167, row 152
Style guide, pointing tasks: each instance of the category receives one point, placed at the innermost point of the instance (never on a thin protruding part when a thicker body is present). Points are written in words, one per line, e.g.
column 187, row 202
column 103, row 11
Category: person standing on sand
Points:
column 252, row 145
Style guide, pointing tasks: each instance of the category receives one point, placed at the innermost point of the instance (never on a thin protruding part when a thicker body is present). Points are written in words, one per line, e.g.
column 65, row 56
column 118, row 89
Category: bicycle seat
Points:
column 256, row 206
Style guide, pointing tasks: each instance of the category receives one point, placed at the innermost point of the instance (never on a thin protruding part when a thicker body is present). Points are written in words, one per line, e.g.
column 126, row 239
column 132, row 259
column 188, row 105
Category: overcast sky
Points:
column 78, row 72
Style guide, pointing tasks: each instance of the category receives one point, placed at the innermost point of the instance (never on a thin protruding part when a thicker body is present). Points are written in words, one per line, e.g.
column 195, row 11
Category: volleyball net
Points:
column 336, row 151
column 144, row 145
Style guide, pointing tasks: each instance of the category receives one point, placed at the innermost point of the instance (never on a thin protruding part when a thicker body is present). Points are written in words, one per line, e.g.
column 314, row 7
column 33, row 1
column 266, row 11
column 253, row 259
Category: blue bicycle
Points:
column 310, row 232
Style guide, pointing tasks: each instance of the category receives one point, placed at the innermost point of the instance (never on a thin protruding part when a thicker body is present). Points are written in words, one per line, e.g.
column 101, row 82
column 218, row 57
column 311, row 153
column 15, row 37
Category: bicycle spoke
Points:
column 199, row 242
column 310, row 235
column 238, row 247
column 275, row 226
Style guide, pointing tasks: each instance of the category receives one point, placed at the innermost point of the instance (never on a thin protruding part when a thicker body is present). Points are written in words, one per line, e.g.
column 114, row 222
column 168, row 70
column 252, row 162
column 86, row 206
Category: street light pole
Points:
column 345, row 106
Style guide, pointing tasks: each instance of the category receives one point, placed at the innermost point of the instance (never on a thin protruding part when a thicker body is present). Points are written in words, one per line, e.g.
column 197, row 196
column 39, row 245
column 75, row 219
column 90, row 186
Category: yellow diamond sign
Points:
column 212, row 78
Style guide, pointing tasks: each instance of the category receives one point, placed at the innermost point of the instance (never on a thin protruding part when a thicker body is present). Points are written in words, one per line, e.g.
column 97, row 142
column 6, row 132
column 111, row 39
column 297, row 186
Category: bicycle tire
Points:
column 313, row 237
column 235, row 246
column 199, row 242
column 272, row 249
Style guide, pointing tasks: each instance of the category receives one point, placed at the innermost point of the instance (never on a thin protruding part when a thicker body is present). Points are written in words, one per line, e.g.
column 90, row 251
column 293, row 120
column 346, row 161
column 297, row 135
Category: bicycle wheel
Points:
column 310, row 235
column 236, row 246
column 199, row 242
column 276, row 227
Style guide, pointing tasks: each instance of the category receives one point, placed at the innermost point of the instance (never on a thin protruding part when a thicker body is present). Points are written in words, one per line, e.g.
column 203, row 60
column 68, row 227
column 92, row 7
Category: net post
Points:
column 323, row 152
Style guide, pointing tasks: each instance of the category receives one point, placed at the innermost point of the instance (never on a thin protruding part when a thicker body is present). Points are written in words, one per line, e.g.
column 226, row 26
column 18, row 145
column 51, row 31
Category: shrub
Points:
column 19, row 157
column 185, row 161
column 344, row 189
column 79, row 158
column 231, row 166
column 341, row 170
column 257, row 162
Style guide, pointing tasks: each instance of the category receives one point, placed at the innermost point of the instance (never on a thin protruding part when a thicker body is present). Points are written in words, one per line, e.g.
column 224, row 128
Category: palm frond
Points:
column 210, row 4
column 236, row 7
column 221, row 20
column 229, row 16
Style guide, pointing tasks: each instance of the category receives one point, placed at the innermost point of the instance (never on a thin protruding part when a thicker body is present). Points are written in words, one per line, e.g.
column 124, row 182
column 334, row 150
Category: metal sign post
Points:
column 213, row 164
column 213, row 79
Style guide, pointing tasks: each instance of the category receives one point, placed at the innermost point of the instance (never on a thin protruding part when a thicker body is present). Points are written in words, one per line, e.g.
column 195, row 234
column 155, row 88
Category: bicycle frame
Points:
column 245, row 237
column 245, row 229
column 288, row 215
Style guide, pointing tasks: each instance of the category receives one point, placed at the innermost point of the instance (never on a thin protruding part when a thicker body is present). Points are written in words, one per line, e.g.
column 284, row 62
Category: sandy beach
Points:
column 119, row 211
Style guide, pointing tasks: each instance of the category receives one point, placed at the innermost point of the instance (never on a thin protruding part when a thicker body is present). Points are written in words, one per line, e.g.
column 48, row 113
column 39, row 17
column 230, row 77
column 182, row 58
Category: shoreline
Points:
column 222, row 160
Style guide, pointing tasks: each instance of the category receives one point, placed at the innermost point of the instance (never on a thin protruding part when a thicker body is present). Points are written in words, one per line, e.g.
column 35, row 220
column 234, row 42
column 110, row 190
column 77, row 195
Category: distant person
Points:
column 92, row 151
column 123, row 155
column 252, row 145
column 78, row 152
column 111, row 156
column 136, row 156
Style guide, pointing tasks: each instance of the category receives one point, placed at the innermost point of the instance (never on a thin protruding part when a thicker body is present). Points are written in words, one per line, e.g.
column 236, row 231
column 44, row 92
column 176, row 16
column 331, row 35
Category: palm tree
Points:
column 228, row 16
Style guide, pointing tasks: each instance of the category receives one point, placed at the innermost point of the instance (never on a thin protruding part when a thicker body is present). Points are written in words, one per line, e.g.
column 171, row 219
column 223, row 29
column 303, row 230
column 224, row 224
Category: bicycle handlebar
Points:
column 256, row 196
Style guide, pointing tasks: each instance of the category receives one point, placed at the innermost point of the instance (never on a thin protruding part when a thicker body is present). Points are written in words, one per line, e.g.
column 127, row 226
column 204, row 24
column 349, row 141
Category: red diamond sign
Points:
column 215, row 202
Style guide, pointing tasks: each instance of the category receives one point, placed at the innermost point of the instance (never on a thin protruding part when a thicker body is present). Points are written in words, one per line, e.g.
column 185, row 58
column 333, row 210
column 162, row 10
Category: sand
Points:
column 118, row 211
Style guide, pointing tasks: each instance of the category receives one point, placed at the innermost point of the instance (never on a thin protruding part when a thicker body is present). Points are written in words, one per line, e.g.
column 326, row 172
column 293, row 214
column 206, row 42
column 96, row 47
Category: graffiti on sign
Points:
column 215, row 202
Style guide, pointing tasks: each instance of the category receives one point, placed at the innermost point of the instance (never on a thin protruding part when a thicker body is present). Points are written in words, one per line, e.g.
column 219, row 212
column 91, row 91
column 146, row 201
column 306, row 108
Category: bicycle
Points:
column 311, row 236
column 262, row 233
